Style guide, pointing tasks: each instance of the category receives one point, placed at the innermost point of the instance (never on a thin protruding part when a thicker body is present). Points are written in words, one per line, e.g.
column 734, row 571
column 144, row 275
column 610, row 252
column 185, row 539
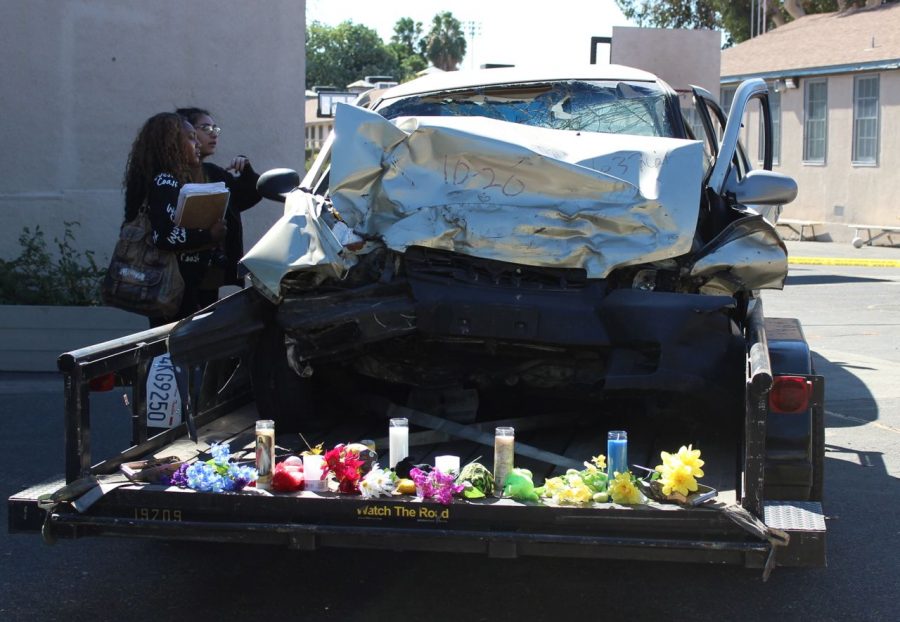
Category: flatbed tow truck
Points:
column 670, row 343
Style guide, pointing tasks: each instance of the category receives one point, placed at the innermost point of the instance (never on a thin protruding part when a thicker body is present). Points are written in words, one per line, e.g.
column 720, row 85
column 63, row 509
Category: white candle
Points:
column 398, row 439
column 447, row 464
column 312, row 471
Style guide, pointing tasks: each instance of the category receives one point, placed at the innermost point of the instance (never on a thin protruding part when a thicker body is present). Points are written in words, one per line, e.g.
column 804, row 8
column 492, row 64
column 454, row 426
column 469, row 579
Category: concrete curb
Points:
column 844, row 261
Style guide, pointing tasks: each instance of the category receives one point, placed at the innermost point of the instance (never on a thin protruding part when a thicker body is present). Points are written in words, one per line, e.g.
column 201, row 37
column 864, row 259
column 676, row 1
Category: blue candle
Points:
column 616, row 452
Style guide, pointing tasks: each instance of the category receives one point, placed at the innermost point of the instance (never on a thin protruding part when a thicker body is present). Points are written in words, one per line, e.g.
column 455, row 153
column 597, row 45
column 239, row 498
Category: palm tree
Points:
column 446, row 43
column 408, row 34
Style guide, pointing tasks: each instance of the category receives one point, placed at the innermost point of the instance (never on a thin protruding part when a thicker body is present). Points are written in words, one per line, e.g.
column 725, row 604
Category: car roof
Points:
column 454, row 80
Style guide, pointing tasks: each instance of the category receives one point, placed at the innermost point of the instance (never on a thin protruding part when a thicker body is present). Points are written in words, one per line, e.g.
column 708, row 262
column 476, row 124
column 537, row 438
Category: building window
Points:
column 815, row 121
column 775, row 108
column 865, row 120
column 726, row 97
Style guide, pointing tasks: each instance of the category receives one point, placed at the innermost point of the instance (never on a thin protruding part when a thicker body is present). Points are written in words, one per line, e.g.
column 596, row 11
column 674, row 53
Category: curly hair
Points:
column 157, row 149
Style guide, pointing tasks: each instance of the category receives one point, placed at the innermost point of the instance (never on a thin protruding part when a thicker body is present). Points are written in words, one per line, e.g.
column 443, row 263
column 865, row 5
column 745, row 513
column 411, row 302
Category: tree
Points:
column 345, row 53
column 408, row 47
column 733, row 16
column 408, row 34
column 446, row 44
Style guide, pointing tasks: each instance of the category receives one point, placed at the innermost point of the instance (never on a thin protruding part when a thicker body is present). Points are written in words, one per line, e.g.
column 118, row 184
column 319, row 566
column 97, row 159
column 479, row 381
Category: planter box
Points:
column 32, row 337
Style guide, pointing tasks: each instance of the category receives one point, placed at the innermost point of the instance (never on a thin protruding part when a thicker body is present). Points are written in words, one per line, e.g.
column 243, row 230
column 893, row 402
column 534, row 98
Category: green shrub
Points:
column 37, row 278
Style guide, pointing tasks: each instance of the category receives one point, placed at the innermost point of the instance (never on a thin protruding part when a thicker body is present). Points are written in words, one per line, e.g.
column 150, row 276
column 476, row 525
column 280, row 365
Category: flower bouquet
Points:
column 436, row 485
column 592, row 484
column 347, row 467
column 675, row 480
column 218, row 474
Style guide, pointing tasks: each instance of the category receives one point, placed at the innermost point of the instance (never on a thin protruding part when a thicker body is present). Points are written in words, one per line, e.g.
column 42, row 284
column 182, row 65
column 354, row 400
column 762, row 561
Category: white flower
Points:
column 376, row 483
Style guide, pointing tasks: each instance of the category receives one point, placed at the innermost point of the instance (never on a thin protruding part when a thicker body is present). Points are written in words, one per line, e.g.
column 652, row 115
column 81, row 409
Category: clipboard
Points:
column 200, row 206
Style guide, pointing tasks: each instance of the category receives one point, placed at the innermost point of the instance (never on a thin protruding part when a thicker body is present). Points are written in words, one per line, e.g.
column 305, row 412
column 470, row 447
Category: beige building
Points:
column 317, row 128
column 80, row 77
column 835, row 94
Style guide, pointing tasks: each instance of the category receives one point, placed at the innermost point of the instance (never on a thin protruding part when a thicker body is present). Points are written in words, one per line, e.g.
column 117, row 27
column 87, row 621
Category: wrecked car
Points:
column 558, row 236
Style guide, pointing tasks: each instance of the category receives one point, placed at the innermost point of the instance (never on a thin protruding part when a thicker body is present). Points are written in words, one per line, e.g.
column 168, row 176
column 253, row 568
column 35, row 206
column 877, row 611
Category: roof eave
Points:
column 886, row 64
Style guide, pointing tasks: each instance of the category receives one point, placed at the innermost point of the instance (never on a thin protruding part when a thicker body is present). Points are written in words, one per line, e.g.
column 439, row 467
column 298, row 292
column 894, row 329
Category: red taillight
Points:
column 106, row 382
column 790, row 394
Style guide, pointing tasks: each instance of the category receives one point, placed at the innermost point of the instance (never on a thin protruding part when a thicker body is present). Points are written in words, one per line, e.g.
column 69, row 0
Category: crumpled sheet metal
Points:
column 299, row 240
column 516, row 193
column 748, row 254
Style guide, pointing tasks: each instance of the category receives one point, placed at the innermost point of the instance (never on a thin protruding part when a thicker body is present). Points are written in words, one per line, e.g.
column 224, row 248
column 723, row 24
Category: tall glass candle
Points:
column 616, row 452
column 398, row 438
column 504, row 456
column 265, row 452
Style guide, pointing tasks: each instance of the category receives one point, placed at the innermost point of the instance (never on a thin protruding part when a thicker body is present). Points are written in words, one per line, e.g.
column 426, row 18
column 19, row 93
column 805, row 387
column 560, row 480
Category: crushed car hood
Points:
column 504, row 191
column 509, row 192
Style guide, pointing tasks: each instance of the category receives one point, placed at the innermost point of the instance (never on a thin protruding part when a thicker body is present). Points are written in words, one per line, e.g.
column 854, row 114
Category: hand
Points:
column 237, row 165
column 217, row 231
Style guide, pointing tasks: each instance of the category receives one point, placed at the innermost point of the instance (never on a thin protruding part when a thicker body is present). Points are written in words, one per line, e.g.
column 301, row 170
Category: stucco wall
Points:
column 680, row 57
column 80, row 76
column 839, row 192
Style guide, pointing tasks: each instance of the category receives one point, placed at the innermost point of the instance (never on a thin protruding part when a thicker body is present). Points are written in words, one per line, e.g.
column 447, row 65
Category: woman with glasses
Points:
column 164, row 157
column 240, row 178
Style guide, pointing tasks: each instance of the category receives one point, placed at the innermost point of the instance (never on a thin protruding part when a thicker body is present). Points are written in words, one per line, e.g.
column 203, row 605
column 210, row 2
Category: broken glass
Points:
column 613, row 107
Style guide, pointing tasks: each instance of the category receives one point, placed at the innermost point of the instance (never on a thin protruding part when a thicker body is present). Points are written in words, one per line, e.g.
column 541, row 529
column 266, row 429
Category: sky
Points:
column 523, row 32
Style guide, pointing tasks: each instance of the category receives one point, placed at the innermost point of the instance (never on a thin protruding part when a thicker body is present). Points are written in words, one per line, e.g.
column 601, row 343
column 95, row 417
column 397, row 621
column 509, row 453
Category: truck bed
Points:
column 497, row 527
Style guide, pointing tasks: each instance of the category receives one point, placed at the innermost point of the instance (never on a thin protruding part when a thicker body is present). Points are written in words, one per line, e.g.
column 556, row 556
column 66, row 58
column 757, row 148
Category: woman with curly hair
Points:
column 161, row 161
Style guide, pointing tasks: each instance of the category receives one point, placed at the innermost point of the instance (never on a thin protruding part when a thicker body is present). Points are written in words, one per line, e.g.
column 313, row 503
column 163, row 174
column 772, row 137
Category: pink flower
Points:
column 436, row 485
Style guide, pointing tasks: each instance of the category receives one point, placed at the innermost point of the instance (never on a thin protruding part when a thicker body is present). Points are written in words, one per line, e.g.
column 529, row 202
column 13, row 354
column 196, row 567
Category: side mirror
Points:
column 277, row 183
column 762, row 188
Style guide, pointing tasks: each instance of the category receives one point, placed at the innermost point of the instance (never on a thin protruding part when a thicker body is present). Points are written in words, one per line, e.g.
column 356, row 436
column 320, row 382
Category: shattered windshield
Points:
column 597, row 106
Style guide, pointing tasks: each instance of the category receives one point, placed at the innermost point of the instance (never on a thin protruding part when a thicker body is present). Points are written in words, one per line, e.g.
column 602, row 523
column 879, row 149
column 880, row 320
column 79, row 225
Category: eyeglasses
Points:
column 212, row 130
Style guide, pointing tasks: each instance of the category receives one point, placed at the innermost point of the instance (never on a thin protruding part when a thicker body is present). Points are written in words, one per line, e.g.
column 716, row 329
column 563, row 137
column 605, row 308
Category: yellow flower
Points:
column 576, row 495
column 552, row 487
column 599, row 461
column 691, row 459
column 622, row 490
column 678, row 480
column 669, row 462
column 686, row 457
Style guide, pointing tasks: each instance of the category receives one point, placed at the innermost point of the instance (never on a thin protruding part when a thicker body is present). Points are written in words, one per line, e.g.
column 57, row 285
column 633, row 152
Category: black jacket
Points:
column 243, row 196
column 191, row 245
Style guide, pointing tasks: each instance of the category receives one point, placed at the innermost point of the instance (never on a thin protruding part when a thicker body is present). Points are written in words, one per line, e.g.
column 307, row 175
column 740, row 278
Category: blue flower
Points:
column 220, row 453
column 216, row 475
column 204, row 477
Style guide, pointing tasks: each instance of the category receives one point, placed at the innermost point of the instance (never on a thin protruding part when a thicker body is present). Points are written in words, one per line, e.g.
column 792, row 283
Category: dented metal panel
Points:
column 527, row 195
column 748, row 254
column 300, row 240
